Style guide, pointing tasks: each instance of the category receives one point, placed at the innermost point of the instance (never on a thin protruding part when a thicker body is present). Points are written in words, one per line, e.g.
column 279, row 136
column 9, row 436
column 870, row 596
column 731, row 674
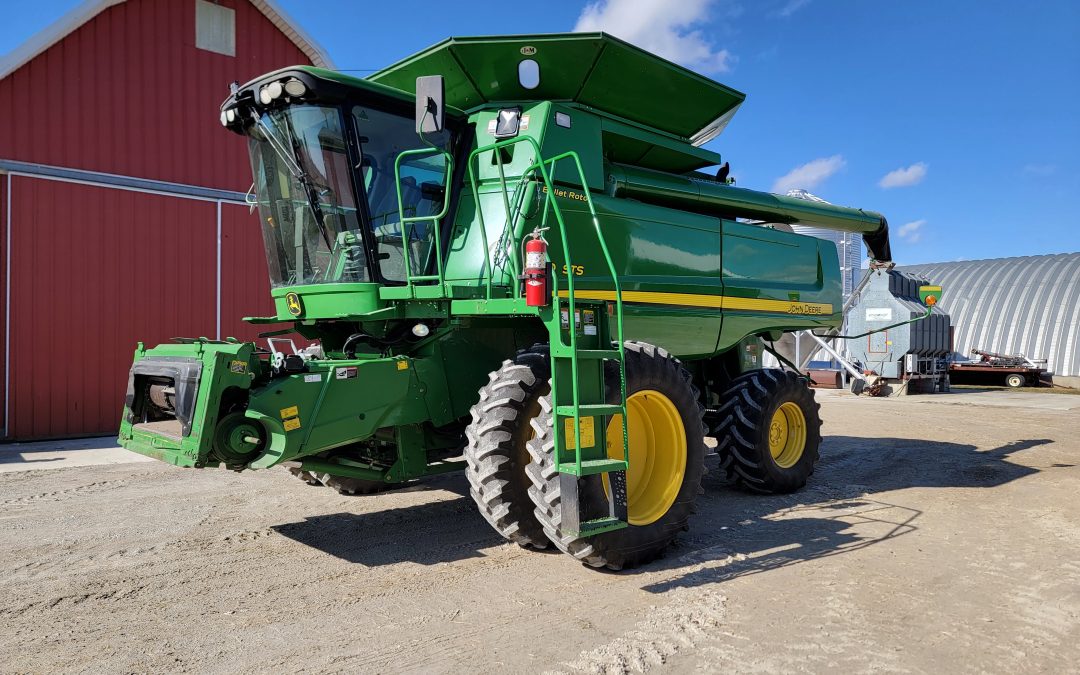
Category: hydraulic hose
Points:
column 929, row 310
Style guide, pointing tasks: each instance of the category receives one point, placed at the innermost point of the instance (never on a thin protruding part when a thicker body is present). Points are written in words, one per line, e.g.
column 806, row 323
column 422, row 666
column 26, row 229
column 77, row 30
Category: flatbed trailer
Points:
column 983, row 373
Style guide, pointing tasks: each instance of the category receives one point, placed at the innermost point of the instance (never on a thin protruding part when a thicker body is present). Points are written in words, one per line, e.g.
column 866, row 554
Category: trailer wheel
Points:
column 667, row 462
column 769, row 431
column 495, row 449
column 1014, row 380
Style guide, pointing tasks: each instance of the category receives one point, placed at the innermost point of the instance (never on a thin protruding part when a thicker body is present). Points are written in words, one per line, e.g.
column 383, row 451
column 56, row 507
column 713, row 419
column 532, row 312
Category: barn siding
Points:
column 5, row 183
column 94, row 270
column 129, row 93
column 245, row 282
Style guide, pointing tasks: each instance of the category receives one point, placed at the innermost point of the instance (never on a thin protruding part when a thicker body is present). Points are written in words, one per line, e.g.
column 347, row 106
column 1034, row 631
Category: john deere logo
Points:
column 292, row 301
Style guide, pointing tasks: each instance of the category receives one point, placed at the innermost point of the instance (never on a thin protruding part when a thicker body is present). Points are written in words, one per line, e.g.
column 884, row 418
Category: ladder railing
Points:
column 560, row 349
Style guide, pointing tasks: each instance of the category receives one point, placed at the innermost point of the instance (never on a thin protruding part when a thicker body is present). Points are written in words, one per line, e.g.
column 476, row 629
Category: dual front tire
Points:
column 667, row 453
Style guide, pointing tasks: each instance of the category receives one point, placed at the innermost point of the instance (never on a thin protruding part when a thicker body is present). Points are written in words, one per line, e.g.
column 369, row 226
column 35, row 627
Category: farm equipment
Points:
column 1012, row 370
column 902, row 339
column 507, row 259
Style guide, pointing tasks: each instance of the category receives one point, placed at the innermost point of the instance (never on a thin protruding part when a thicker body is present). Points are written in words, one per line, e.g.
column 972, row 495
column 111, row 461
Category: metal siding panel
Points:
column 1029, row 302
column 74, row 280
column 66, row 237
column 1007, row 304
column 126, row 60
column 5, row 186
column 245, row 282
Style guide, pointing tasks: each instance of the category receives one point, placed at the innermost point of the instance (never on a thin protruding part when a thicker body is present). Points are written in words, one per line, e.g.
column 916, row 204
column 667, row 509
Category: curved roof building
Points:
column 1028, row 305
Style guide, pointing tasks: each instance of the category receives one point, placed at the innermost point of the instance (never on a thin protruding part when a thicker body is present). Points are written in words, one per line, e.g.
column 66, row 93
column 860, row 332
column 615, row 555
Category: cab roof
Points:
column 591, row 69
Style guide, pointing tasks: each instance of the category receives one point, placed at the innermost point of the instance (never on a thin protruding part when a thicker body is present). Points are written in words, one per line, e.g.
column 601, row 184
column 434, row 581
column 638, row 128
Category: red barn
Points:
column 122, row 198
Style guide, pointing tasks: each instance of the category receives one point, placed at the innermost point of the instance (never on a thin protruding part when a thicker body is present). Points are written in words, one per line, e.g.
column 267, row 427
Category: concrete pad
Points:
column 65, row 454
column 999, row 398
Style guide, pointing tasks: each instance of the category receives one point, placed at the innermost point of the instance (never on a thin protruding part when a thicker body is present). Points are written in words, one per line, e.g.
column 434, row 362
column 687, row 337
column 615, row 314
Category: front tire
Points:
column 667, row 462
column 769, row 431
column 496, row 452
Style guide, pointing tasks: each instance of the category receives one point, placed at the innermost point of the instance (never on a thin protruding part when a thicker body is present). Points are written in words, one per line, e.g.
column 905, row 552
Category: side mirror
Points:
column 429, row 104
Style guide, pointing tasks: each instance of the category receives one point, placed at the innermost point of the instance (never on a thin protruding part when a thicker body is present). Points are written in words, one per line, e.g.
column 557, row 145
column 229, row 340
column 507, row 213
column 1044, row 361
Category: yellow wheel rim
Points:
column 787, row 435
column 657, row 454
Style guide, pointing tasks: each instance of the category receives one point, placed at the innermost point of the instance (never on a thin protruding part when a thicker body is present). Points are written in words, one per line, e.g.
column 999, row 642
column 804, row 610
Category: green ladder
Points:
column 579, row 334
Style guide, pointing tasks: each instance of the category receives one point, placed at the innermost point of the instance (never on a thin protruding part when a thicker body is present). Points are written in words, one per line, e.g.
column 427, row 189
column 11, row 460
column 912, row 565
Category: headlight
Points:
column 295, row 88
column 275, row 89
column 264, row 95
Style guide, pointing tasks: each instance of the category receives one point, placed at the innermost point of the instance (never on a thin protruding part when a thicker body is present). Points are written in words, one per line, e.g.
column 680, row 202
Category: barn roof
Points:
column 71, row 21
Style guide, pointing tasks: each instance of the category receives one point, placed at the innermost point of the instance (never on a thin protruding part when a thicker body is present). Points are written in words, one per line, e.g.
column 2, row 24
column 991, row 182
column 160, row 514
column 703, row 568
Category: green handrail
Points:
column 435, row 220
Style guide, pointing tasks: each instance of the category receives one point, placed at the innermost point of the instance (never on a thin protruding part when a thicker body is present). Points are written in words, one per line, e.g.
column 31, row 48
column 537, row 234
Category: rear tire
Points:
column 649, row 370
column 769, row 431
column 1014, row 381
column 495, row 449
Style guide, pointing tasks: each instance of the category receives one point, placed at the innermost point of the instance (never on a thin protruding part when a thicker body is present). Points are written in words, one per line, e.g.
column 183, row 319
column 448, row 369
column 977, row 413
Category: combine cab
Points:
column 504, row 257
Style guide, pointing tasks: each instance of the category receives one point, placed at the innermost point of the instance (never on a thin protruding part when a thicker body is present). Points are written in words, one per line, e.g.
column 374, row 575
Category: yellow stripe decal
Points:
column 712, row 301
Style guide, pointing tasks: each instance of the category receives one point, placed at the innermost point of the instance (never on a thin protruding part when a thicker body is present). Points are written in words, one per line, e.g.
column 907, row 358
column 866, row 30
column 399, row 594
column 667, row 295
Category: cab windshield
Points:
column 314, row 228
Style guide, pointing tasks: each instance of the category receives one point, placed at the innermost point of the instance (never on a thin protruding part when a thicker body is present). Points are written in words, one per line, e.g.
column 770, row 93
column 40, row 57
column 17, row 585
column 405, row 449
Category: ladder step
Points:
column 592, row 467
column 600, row 525
column 590, row 410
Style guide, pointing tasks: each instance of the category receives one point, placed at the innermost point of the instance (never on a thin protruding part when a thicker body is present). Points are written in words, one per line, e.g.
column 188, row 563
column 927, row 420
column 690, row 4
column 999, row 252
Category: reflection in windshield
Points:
column 382, row 138
column 311, row 228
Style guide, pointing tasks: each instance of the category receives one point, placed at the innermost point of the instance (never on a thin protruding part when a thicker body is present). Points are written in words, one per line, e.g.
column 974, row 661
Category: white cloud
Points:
column 669, row 28
column 809, row 175
column 912, row 232
column 791, row 7
column 904, row 177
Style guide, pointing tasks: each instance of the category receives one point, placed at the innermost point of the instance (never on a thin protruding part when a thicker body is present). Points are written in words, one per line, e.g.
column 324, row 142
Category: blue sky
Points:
column 958, row 120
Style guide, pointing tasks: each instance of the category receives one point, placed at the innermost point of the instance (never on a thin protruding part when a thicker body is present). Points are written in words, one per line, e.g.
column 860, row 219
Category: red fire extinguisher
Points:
column 536, row 286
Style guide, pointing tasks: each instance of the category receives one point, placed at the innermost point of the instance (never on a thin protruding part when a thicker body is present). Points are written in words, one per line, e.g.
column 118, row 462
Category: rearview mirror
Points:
column 429, row 104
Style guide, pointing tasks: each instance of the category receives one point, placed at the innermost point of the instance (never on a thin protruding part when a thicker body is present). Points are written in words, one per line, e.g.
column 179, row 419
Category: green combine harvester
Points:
column 507, row 259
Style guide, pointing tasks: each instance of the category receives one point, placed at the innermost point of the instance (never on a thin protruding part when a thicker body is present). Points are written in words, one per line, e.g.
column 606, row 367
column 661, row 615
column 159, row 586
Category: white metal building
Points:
column 1027, row 305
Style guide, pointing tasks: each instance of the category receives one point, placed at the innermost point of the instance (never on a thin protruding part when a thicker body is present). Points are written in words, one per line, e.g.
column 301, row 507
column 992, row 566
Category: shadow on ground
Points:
column 429, row 533
column 844, row 508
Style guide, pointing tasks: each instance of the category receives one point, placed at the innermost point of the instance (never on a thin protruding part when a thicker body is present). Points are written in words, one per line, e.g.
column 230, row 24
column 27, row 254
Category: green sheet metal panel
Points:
column 593, row 69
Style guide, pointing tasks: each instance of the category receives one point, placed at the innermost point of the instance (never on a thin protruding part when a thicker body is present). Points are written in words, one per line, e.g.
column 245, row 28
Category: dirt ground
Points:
column 933, row 538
